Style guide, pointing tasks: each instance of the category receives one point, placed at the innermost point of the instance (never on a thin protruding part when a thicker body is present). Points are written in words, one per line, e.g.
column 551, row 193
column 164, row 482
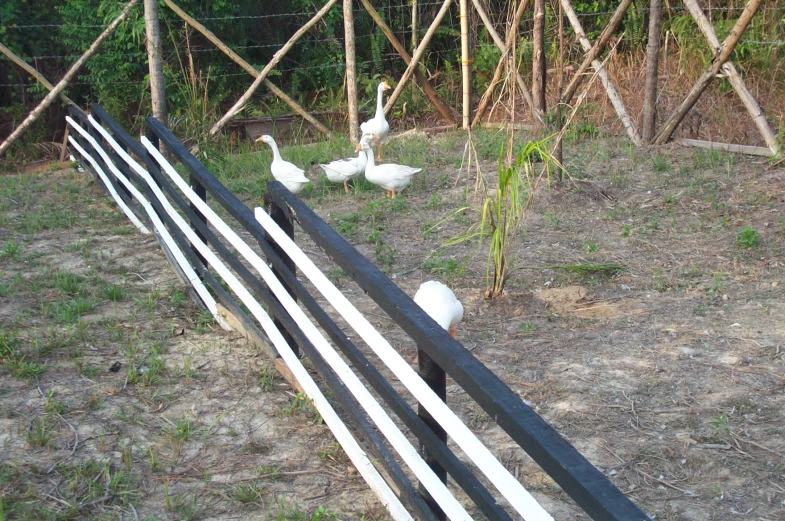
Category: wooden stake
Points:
column 486, row 97
column 417, row 55
column 559, row 85
column 734, row 78
column 539, row 67
column 602, row 73
column 414, row 25
column 351, row 71
column 262, row 75
column 725, row 147
column 34, row 73
column 156, row 65
column 57, row 89
column 466, row 63
column 595, row 51
column 443, row 109
column 652, row 66
column 719, row 60
column 248, row 67
column 504, row 49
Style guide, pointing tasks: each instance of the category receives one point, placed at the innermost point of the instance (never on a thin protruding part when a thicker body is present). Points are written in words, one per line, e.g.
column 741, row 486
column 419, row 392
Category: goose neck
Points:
column 380, row 102
column 276, row 153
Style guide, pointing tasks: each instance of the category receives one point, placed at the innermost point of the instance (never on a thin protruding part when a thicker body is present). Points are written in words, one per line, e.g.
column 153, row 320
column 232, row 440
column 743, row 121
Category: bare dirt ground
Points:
column 668, row 377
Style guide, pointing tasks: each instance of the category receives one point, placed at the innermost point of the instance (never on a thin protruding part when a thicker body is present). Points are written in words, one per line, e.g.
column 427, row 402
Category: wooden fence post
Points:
column 58, row 89
column 466, row 64
column 539, row 67
column 652, row 64
column 284, row 220
column 156, row 64
column 351, row 71
column 436, row 378
column 719, row 60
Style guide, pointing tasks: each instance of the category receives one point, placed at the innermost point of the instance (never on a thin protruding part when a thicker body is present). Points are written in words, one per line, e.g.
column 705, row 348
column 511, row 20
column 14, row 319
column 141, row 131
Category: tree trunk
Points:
column 153, row 32
column 652, row 64
column 58, row 89
column 351, row 71
column 539, row 72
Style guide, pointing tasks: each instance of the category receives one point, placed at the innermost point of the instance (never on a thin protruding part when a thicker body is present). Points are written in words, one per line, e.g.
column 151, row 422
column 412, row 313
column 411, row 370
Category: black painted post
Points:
column 153, row 138
column 201, row 192
column 435, row 377
column 283, row 219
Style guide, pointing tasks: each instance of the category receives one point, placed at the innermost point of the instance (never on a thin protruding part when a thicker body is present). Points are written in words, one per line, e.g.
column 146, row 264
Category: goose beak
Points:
column 358, row 148
column 453, row 333
column 259, row 139
column 386, row 86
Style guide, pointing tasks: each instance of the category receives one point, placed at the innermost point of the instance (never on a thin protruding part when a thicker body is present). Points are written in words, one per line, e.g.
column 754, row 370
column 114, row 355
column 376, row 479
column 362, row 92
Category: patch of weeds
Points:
column 40, row 433
column 348, row 225
column 94, row 402
column 661, row 163
column 21, row 368
column 186, row 506
column 151, row 301
column 448, row 268
column 147, row 374
column 335, row 273
column 626, row 229
column 333, row 452
column 618, row 179
column 71, row 310
column 553, row 219
column 114, row 292
column 748, row 237
column 178, row 298
column 301, row 403
column 11, row 250
column 590, row 247
column 717, row 285
column 54, row 406
column 435, row 202
column 266, row 379
column 527, row 328
column 385, row 255
column 204, row 322
column 179, row 433
column 248, row 493
column 8, row 343
column 720, row 424
column 269, row 473
column 70, row 284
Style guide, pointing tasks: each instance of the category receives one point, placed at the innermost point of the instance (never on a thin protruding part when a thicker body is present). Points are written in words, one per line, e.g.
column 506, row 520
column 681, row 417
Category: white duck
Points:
column 378, row 126
column 440, row 303
column 389, row 176
column 288, row 174
column 342, row 170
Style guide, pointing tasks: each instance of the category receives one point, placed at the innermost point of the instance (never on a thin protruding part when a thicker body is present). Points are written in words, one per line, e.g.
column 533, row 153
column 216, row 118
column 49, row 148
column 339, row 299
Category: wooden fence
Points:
column 263, row 277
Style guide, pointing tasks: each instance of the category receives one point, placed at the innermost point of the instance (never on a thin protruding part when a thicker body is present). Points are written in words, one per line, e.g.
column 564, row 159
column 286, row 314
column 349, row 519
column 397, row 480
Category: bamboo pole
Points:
column 156, row 65
column 466, row 63
column 486, row 97
column 726, row 147
column 539, row 66
column 504, row 49
column 559, row 148
column 414, row 25
column 602, row 73
column 61, row 85
column 595, row 51
column 351, row 71
column 443, row 109
column 248, row 67
column 262, row 75
column 719, row 60
column 734, row 78
column 34, row 73
column 417, row 55
column 652, row 65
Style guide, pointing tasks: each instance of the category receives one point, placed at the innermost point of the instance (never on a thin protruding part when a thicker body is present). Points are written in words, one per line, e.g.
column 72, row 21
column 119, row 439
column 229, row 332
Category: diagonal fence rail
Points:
column 285, row 319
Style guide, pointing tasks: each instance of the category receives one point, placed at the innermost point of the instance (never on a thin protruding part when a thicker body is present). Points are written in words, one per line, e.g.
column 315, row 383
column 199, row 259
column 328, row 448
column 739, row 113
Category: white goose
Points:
column 378, row 126
column 288, row 174
column 342, row 170
column 440, row 303
column 391, row 177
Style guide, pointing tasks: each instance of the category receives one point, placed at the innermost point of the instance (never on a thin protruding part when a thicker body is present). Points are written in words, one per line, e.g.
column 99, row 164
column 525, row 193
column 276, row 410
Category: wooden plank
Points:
column 726, row 147
column 584, row 483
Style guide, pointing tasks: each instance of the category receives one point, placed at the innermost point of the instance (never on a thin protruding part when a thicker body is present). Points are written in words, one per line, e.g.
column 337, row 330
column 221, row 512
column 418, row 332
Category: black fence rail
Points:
column 189, row 232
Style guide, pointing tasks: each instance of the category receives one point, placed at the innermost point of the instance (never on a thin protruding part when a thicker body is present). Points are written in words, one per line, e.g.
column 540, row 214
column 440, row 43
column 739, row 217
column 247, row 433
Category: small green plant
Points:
column 527, row 328
column 269, row 473
column 590, row 247
column 266, row 379
column 248, row 493
column 11, row 250
column 626, row 229
column 348, row 224
column 52, row 405
column 553, row 219
column 332, row 451
column 717, row 285
column 720, row 424
column 747, row 237
column 444, row 267
column 40, row 433
column 114, row 293
column 435, row 202
column 661, row 164
column 179, row 433
column 178, row 298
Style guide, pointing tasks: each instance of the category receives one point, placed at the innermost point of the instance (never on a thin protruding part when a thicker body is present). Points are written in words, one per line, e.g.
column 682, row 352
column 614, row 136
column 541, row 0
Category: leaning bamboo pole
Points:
column 719, row 60
column 351, row 71
column 503, row 48
column 207, row 33
column 63, row 83
column 417, row 55
column 602, row 73
column 466, row 63
column 539, row 65
column 34, row 73
column 262, row 75
column 595, row 51
column 486, row 97
column 443, row 109
column 734, row 78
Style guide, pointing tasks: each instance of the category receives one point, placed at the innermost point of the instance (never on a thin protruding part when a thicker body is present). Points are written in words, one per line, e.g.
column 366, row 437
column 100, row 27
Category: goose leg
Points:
column 346, row 187
column 379, row 154
column 393, row 194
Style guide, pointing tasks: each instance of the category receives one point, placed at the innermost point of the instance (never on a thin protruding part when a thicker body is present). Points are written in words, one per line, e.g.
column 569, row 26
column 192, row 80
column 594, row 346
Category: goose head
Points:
column 265, row 139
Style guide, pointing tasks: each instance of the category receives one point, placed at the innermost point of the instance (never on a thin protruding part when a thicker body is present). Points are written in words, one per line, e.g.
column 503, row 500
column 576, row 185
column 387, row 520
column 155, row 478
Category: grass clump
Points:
column 748, row 237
